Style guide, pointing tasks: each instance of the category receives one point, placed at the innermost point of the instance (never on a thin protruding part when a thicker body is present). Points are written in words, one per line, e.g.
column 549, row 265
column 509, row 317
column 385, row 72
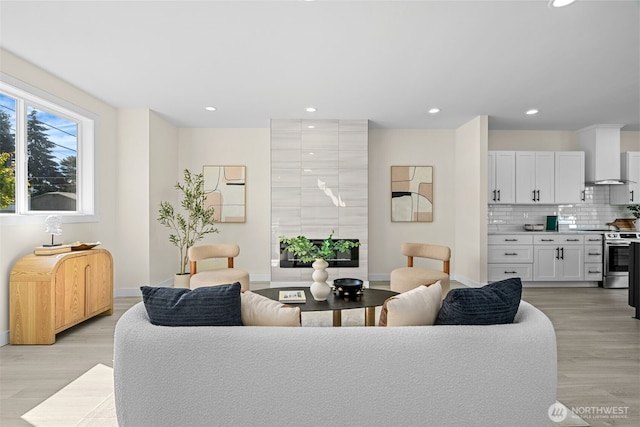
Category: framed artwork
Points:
column 412, row 193
column 224, row 188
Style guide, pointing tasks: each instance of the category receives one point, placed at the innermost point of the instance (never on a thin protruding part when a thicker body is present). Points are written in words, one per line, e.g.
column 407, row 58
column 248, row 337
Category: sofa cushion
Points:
column 258, row 310
column 206, row 306
column 417, row 307
column 495, row 303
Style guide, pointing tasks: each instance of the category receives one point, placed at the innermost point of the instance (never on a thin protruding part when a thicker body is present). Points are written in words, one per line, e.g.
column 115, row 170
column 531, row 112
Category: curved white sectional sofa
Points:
column 499, row 375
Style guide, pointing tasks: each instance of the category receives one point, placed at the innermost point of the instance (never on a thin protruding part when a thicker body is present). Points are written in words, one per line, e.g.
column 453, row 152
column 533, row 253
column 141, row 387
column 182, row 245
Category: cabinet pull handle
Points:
column 557, row 253
column 538, row 195
column 594, row 272
column 584, row 196
column 573, row 240
column 562, row 253
column 631, row 195
column 498, row 195
column 511, row 253
column 534, row 195
column 514, row 272
column 510, row 240
column 546, row 240
column 494, row 195
column 594, row 240
column 594, row 253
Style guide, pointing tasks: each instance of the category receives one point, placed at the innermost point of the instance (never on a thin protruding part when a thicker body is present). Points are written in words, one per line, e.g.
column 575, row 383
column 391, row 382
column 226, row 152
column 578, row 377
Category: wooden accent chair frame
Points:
column 217, row 276
column 409, row 277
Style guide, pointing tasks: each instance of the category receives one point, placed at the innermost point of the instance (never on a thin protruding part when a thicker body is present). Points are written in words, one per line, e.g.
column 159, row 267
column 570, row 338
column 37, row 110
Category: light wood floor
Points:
column 598, row 354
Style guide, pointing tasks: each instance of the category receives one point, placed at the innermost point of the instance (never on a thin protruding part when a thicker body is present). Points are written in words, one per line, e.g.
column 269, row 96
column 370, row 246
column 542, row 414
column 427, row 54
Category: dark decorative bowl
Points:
column 349, row 289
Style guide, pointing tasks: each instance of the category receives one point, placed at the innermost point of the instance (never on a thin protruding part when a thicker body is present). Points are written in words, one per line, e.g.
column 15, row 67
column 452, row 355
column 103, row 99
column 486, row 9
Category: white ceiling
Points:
column 388, row 62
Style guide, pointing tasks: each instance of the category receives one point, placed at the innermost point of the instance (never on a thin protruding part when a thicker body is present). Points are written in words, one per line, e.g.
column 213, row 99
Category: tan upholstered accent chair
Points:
column 218, row 276
column 409, row 277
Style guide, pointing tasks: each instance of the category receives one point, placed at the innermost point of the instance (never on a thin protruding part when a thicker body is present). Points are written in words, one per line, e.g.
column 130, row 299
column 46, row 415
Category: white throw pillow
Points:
column 258, row 310
column 417, row 307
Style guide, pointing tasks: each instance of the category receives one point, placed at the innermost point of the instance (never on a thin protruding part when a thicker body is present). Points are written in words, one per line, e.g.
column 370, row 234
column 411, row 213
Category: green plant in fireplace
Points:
column 307, row 251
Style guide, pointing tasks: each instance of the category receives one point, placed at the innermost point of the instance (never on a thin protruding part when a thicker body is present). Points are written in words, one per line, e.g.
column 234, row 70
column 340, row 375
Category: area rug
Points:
column 88, row 401
column 85, row 402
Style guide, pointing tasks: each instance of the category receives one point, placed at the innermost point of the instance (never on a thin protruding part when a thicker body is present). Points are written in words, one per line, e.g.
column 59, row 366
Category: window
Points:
column 46, row 156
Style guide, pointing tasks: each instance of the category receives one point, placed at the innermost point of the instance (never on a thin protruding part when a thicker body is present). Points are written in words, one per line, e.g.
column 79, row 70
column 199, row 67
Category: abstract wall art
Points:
column 412, row 193
column 224, row 187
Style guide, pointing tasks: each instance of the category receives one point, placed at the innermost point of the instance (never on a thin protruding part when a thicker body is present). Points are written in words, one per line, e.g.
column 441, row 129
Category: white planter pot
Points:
column 637, row 224
column 320, row 289
column 181, row 280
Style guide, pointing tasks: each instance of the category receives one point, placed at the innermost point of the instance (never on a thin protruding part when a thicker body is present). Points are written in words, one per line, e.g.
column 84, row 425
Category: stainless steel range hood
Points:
column 601, row 144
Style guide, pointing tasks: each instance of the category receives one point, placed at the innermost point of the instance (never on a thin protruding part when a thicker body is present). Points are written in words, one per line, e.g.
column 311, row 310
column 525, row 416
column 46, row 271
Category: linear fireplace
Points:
column 342, row 259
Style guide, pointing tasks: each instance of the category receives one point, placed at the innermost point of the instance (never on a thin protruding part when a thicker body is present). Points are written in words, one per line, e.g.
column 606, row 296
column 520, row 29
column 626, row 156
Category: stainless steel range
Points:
column 616, row 258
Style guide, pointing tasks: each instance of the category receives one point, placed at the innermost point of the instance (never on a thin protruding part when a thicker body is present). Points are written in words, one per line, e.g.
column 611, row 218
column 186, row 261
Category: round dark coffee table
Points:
column 370, row 299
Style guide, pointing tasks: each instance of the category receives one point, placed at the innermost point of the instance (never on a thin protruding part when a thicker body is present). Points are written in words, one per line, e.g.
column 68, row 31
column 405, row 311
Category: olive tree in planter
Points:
column 190, row 227
column 306, row 251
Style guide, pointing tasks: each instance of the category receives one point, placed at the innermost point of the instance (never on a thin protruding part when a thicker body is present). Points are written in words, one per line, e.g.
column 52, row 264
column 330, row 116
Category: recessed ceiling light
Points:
column 434, row 110
column 210, row 108
column 531, row 112
column 310, row 127
column 560, row 3
column 311, row 109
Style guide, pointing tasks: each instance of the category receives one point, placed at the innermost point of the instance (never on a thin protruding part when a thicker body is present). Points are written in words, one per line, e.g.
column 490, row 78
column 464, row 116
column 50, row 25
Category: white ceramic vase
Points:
column 320, row 289
column 181, row 280
column 637, row 224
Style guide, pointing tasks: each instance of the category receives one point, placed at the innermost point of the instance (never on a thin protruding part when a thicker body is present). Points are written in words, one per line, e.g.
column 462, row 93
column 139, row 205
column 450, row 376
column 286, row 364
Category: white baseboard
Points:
column 377, row 277
column 467, row 282
column 4, row 338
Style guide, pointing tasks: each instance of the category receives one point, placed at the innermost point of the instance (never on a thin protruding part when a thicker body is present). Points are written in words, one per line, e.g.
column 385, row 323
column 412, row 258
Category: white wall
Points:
column 19, row 239
column 549, row 140
column 469, row 261
column 395, row 147
column 248, row 147
column 163, row 175
column 131, row 259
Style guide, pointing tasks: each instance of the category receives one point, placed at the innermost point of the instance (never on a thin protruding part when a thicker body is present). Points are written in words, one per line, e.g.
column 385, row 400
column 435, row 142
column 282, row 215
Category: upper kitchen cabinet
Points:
column 569, row 176
column 535, row 177
column 629, row 171
column 502, row 174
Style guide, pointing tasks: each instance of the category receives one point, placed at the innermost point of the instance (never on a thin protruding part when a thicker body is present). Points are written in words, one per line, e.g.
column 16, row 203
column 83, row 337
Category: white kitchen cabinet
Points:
column 558, row 257
column 535, row 177
column 593, row 253
column 569, row 176
column 502, row 174
column 629, row 170
column 510, row 255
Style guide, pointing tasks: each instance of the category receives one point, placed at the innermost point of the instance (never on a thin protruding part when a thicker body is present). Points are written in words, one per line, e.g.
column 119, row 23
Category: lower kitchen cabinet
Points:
column 556, row 263
column 545, row 257
column 510, row 256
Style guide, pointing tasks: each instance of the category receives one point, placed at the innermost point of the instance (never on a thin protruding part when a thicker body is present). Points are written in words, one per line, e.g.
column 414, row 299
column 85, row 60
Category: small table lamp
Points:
column 53, row 225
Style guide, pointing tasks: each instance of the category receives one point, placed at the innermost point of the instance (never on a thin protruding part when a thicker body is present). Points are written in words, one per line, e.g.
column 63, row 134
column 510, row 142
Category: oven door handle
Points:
column 617, row 244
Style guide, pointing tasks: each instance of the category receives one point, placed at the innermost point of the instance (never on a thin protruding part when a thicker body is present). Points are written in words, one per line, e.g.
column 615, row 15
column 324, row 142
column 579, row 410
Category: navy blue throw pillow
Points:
column 206, row 306
column 492, row 304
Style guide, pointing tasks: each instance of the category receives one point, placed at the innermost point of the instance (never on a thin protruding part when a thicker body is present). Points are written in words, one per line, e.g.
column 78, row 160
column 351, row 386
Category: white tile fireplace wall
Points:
column 319, row 183
column 595, row 212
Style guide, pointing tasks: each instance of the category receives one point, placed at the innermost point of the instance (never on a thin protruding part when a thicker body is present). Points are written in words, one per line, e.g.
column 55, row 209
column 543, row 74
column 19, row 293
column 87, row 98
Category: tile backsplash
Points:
column 595, row 212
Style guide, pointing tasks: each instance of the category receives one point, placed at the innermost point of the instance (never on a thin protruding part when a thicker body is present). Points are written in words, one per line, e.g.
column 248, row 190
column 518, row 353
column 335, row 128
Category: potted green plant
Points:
column 196, row 222
column 307, row 251
column 635, row 211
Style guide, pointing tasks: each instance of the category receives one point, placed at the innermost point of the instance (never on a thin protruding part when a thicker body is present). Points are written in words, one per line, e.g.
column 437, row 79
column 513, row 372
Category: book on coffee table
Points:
column 292, row 296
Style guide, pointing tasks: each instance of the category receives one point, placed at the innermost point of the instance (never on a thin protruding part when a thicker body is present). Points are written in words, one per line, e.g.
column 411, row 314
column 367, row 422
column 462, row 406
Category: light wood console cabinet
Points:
column 49, row 294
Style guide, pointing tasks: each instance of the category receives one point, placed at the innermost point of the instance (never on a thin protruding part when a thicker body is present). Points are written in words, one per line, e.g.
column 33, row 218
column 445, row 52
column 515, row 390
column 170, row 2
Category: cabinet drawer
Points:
column 505, row 271
column 593, row 253
column 593, row 271
column 558, row 239
column 510, row 254
column 510, row 239
column 593, row 239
